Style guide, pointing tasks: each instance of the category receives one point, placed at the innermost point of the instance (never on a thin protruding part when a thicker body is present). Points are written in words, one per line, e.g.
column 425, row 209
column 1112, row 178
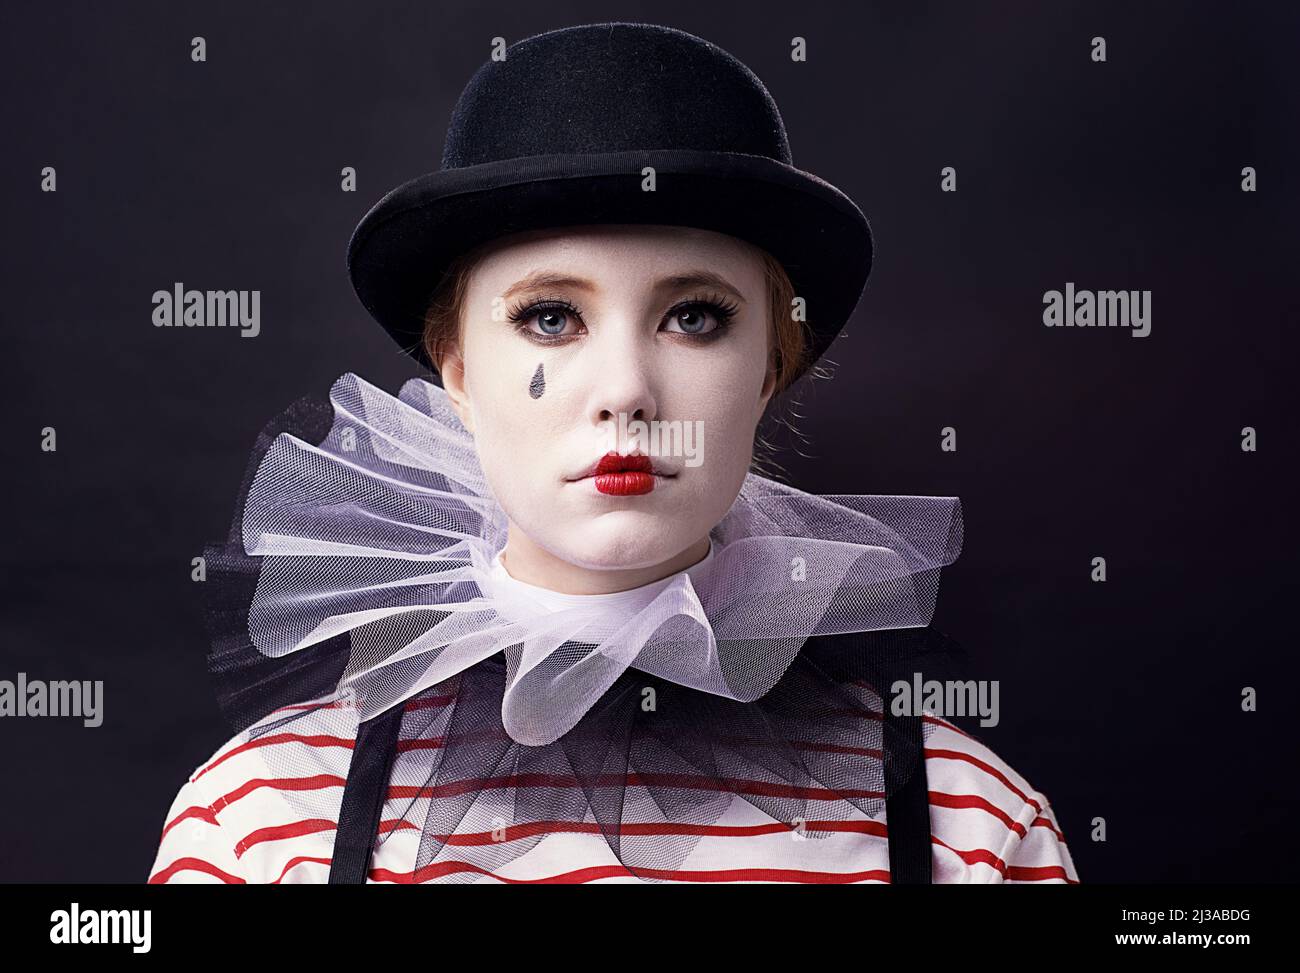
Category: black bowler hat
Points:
column 557, row 134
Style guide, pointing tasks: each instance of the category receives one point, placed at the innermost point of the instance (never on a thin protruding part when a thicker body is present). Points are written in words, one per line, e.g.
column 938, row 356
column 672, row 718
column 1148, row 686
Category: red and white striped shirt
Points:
column 264, row 809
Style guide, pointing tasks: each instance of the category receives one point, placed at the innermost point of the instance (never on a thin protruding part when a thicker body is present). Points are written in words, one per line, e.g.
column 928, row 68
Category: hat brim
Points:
column 402, row 248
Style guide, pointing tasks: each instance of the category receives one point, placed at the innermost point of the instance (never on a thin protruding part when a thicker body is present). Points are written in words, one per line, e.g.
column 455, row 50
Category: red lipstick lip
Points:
column 622, row 475
column 626, row 484
column 620, row 463
column 617, row 463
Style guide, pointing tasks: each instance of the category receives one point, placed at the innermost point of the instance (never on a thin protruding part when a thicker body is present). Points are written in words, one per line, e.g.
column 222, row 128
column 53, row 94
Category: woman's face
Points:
column 568, row 339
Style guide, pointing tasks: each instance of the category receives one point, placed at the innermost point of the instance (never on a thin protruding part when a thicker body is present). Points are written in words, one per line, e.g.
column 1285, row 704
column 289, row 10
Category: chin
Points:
column 623, row 539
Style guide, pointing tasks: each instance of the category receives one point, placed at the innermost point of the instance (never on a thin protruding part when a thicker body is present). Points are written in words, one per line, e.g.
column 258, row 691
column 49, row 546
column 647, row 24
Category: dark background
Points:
column 1119, row 700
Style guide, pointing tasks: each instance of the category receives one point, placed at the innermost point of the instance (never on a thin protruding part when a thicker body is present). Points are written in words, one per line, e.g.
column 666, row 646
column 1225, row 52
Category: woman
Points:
column 543, row 623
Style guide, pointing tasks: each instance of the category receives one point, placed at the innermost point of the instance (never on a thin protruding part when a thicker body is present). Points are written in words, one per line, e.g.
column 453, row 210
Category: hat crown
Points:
column 613, row 87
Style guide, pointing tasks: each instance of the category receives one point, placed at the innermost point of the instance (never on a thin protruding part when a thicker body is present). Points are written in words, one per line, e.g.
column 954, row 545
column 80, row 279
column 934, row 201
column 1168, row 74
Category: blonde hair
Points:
column 788, row 339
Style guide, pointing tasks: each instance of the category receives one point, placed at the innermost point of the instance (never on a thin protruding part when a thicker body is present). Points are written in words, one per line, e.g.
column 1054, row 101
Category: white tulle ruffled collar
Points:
column 387, row 530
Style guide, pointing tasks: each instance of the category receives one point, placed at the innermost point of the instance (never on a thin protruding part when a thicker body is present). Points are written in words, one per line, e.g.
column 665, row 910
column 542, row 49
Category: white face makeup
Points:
column 568, row 335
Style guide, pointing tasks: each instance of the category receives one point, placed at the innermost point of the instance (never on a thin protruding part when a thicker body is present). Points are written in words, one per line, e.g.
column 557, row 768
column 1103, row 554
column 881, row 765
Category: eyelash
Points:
column 722, row 309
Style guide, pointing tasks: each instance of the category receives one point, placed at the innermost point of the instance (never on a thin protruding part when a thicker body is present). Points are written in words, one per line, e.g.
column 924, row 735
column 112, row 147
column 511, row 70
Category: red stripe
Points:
column 433, row 743
column 295, row 829
column 962, row 801
column 976, row 856
column 534, row 828
column 200, row 813
column 311, row 740
column 581, row 875
column 194, row 865
column 1041, row 822
column 428, row 702
column 389, row 825
column 1039, row 873
column 278, row 783
column 300, row 860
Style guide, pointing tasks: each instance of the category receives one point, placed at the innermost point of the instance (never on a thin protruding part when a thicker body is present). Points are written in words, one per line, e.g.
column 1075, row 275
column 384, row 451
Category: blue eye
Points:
column 702, row 317
column 694, row 320
column 551, row 321
column 545, row 320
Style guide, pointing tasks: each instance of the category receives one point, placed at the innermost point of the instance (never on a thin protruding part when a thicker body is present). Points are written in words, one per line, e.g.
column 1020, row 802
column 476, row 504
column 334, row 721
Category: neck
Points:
column 527, row 562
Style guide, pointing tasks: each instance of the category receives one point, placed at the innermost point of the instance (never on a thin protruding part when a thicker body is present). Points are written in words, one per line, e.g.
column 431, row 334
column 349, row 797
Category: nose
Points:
column 623, row 383
column 627, row 395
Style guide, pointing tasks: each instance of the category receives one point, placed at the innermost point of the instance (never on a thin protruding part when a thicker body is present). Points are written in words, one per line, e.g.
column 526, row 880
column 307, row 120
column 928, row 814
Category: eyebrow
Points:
column 696, row 278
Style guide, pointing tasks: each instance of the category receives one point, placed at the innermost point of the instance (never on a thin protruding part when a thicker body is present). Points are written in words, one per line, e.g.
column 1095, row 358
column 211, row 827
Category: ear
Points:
column 451, row 366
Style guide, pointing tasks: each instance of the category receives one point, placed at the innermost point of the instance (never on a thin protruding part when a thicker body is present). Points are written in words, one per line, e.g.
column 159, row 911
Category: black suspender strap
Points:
column 363, row 797
column 907, row 808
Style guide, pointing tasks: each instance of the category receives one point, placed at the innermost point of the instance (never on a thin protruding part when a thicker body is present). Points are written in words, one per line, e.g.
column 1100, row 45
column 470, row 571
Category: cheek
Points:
column 504, row 383
column 514, row 399
column 723, row 390
column 507, row 404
